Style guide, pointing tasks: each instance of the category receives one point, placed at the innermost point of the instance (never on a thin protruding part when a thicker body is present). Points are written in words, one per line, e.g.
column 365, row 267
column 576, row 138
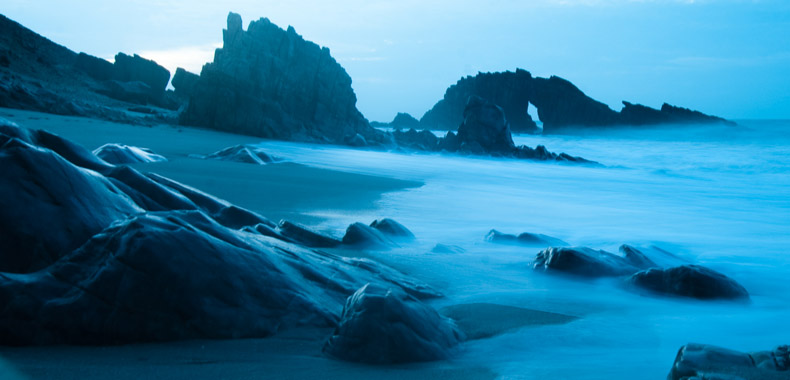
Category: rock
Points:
column 271, row 83
column 560, row 104
column 133, row 92
column 97, row 68
column 701, row 361
column 485, row 127
column 242, row 153
column 356, row 141
column 184, row 82
column 638, row 115
column 138, row 69
column 525, row 238
column 178, row 275
column 49, row 207
column 412, row 139
column 689, row 281
column 363, row 236
column 383, row 325
column 306, row 236
column 636, row 257
column 404, row 121
column 509, row 90
column 392, row 229
column 582, row 261
column 119, row 154
column 147, row 193
column 651, row 257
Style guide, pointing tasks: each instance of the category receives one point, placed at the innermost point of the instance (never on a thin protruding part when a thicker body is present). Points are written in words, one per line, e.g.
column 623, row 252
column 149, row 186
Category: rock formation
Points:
column 184, row 82
column 689, row 281
column 242, row 153
column 271, row 83
column 702, row 361
column 363, row 236
column 560, row 105
column 382, row 325
column 392, row 229
column 119, row 154
column 127, row 257
column 524, row 238
column 404, row 120
column 582, row 261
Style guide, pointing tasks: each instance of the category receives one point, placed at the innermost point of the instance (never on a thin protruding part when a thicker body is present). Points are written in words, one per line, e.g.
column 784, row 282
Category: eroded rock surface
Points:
column 524, row 238
column 383, row 325
column 582, row 261
column 119, row 154
column 702, row 361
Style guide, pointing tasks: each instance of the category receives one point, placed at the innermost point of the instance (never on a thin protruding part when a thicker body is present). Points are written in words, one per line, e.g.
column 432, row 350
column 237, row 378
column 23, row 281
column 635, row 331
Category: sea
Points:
column 715, row 196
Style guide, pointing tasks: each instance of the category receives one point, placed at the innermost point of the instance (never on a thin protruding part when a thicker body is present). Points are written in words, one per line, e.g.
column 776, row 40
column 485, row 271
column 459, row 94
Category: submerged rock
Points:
column 242, row 153
column 582, row 261
column 119, row 154
column 701, row 361
column 383, row 325
column 524, row 238
column 392, row 229
column 272, row 83
column 689, row 281
column 362, row 236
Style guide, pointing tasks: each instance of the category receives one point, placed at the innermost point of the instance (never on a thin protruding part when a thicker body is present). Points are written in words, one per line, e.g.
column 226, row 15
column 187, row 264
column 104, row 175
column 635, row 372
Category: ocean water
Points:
column 719, row 197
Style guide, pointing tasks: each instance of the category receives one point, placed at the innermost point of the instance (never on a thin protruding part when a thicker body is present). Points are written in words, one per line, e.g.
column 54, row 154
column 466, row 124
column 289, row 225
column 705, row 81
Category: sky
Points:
column 729, row 58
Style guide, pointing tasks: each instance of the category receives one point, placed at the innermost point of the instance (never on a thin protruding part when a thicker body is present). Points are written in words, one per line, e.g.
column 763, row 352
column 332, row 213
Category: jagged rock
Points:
column 383, row 325
column 560, row 104
column 525, row 238
column 138, row 69
column 133, row 92
column 363, row 236
column 119, row 154
column 271, row 83
column 582, row 261
column 306, row 236
column 184, row 82
column 49, row 207
column 404, row 120
column 689, row 281
column 242, row 153
column 146, row 193
column 392, row 229
column 97, row 68
column 412, row 139
column 509, row 90
column 702, row 361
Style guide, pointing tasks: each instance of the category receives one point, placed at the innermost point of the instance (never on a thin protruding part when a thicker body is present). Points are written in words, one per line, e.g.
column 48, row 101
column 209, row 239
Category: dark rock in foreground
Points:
column 392, row 228
column 119, row 154
column 114, row 256
column 582, row 261
column 271, row 83
column 242, row 153
column 382, row 325
column 525, row 238
column 689, row 281
column 700, row 361
column 363, row 236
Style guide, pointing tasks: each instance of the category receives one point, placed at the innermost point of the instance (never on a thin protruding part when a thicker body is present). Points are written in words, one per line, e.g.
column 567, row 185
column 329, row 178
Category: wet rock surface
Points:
column 119, row 154
column 392, row 229
column 524, row 238
column 582, row 261
column 689, row 281
column 127, row 257
column 701, row 361
column 382, row 325
column 363, row 236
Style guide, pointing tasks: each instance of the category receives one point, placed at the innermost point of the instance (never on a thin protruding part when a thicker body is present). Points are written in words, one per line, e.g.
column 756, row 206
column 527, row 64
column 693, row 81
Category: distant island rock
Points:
column 272, row 83
column 559, row 103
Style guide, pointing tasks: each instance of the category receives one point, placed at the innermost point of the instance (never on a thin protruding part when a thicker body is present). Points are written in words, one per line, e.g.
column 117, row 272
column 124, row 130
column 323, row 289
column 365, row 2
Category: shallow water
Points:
column 715, row 196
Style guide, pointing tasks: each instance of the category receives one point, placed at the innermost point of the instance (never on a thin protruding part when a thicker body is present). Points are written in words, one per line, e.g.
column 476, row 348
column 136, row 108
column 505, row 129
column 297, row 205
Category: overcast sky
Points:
column 725, row 57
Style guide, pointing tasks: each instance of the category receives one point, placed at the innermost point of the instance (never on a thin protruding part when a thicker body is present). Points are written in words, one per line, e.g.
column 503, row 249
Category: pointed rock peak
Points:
column 234, row 22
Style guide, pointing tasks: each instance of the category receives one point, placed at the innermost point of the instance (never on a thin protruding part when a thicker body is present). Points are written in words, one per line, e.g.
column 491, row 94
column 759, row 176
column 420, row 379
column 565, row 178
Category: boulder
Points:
column 306, row 236
column 49, row 207
column 418, row 140
column 392, row 229
column 651, row 257
column 582, row 261
column 184, row 82
column 119, row 154
column 272, row 83
column 692, row 281
column 485, row 129
column 97, row 68
column 363, row 236
column 384, row 325
column 242, row 153
column 702, row 361
column 525, row 238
